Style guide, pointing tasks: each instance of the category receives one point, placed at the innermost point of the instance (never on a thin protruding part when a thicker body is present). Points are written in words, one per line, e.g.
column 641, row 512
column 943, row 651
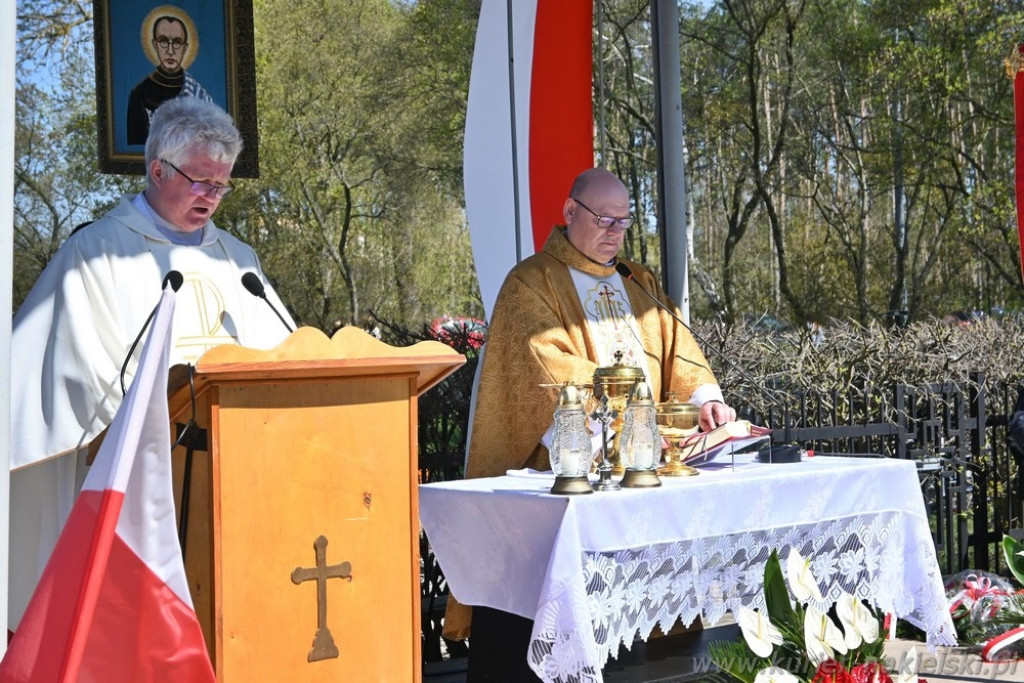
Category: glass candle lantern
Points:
column 571, row 449
column 640, row 445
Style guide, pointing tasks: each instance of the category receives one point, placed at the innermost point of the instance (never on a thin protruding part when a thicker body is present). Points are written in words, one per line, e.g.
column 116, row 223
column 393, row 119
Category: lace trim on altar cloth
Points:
column 624, row 594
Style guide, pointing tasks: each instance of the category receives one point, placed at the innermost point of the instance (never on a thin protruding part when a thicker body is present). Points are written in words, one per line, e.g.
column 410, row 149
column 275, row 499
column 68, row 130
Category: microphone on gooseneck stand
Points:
column 784, row 453
column 174, row 279
column 254, row 285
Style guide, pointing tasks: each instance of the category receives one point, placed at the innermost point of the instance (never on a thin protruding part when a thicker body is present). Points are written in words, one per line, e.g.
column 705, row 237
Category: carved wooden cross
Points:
column 323, row 641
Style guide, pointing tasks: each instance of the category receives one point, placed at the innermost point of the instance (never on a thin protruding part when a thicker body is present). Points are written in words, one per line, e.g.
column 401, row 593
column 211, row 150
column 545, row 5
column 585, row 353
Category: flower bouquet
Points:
column 798, row 643
column 988, row 610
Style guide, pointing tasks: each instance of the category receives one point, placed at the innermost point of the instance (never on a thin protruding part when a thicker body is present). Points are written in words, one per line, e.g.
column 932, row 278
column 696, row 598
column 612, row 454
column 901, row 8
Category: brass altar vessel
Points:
column 615, row 382
column 676, row 420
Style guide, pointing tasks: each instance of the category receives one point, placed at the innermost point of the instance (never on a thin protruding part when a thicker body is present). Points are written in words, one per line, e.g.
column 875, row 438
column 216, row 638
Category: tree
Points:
column 56, row 182
column 350, row 207
column 846, row 159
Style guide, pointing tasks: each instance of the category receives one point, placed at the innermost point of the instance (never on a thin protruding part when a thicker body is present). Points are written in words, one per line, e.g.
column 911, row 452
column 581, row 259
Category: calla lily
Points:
column 801, row 581
column 821, row 636
column 758, row 631
column 859, row 624
column 774, row 674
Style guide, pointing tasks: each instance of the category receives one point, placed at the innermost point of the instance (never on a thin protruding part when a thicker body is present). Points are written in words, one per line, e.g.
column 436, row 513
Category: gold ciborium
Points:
column 615, row 382
column 676, row 420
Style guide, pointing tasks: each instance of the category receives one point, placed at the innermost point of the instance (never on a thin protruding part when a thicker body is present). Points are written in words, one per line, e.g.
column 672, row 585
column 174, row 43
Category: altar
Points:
column 597, row 571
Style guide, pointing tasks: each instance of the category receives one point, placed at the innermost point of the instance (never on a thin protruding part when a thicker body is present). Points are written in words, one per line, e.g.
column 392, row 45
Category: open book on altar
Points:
column 703, row 447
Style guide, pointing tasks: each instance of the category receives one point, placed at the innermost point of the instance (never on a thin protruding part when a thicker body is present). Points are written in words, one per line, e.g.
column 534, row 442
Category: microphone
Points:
column 254, row 285
column 174, row 279
column 787, row 453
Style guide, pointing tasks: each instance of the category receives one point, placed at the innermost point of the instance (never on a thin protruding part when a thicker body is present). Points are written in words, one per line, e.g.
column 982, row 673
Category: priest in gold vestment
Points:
column 561, row 314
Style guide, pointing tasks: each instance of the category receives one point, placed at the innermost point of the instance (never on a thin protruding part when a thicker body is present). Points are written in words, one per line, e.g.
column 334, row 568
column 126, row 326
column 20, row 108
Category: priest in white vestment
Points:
column 72, row 334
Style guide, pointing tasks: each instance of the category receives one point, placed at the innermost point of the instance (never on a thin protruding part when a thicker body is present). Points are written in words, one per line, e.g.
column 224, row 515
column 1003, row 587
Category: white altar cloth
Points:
column 596, row 571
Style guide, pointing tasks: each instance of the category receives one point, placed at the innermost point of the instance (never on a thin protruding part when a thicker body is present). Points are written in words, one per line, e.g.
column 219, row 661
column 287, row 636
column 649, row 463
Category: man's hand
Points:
column 714, row 414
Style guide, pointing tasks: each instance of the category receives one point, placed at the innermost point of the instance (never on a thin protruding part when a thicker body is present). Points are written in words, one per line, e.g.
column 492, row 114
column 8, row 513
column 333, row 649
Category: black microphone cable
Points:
column 174, row 279
column 787, row 456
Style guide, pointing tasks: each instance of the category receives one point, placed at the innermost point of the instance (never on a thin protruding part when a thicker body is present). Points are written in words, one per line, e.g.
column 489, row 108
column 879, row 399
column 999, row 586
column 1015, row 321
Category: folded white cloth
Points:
column 530, row 472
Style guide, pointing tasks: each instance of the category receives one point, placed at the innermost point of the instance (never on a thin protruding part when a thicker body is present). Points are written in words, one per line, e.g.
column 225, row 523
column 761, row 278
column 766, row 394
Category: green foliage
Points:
column 846, row 159
column 776, row 597
column 56, row 183
column 1013, row 552
column 361, row 211
column 737, row 660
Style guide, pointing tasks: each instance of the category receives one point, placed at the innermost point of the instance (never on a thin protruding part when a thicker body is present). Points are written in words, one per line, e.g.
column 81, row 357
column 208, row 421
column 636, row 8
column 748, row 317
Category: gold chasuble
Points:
column 539, row 334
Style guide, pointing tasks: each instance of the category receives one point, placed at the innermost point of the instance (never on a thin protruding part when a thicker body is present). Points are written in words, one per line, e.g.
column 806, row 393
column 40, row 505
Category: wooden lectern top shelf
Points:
column 308, row 352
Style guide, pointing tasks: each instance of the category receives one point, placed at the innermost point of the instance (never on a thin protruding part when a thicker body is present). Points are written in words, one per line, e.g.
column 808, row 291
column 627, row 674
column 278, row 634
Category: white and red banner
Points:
column 550, row 57
column 113, row 603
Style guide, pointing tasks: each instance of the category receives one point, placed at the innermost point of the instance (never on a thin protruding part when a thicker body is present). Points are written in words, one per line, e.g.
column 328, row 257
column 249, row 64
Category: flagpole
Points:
column 512, row 117
column 8, row 20
column 671, row 170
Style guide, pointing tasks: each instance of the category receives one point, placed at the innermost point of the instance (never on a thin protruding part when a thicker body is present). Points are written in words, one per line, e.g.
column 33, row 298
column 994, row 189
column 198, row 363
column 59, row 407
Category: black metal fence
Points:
column 956, row 433
column 971, row 479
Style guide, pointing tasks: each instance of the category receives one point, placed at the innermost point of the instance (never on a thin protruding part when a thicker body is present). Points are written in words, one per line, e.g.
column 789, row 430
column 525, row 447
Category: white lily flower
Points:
column 801, row 581
column 758, row 631
column 859, row 625
column 821, row 636
column 774, row 674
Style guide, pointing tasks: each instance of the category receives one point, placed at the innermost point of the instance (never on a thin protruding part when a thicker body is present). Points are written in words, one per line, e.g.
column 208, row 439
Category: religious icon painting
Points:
column 149, row 52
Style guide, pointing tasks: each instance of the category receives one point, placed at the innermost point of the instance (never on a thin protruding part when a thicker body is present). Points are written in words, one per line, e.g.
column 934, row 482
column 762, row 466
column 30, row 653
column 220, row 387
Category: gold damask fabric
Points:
column 538, row 335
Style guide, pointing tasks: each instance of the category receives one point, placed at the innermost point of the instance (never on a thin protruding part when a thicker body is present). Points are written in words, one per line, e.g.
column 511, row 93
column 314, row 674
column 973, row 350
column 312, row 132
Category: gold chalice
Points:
column 676, row 420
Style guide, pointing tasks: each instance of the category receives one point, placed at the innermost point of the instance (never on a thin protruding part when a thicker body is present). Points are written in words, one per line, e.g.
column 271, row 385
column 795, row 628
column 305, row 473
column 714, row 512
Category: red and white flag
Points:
column 551, row 87
column 113, row 603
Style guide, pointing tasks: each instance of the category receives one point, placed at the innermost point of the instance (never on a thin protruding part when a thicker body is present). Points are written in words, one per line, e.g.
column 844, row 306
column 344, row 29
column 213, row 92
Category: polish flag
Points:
column 552, row 62
column 113, row 602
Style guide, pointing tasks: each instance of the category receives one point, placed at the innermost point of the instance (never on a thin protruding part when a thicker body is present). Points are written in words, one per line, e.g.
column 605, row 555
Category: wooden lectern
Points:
column 302, row 533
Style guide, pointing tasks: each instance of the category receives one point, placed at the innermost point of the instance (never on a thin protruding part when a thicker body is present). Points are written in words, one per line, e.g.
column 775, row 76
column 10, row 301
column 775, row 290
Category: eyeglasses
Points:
column 606, row 222
column 170, row 45
column 203, row 189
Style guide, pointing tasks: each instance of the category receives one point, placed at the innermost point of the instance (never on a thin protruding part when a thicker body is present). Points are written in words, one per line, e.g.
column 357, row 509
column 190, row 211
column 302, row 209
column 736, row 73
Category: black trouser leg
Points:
column 497, row 648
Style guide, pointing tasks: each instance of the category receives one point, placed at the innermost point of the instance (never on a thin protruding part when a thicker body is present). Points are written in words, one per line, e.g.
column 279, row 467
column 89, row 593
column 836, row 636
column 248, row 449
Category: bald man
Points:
column 560, row 315
column 564, row 312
